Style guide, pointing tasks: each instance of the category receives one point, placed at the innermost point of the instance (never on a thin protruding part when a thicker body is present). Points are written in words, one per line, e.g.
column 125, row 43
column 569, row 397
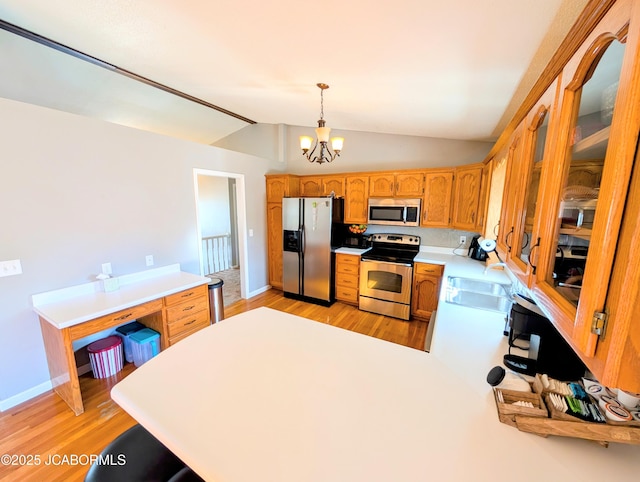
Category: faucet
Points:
column 495, row 265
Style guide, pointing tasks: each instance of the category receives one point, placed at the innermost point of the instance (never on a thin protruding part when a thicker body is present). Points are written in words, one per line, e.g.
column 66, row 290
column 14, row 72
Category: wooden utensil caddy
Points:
column 544, row 419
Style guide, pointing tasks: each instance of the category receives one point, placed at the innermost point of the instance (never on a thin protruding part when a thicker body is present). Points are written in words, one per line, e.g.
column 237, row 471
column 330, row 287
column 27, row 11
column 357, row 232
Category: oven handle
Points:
column 385, row 262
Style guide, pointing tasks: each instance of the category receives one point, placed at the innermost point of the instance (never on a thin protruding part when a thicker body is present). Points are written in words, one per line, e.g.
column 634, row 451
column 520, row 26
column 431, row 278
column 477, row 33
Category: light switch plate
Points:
column 10, row 268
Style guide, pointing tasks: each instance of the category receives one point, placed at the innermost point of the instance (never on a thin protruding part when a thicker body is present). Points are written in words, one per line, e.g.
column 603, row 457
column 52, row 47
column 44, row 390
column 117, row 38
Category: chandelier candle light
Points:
column 322, row 138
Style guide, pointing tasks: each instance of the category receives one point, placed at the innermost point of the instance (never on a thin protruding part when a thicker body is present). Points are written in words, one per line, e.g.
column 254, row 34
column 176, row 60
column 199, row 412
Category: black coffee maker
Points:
column 475, row 251
column 547, row 350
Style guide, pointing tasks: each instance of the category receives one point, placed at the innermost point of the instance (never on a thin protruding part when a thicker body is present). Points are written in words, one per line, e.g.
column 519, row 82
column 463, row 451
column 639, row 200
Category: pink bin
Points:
column 105, row 356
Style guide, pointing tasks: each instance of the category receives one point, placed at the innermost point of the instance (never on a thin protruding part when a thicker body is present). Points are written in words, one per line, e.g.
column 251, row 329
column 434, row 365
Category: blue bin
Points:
column 145, row 344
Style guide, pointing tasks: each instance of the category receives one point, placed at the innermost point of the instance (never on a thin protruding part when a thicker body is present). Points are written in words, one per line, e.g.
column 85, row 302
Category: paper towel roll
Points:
column 487, row 245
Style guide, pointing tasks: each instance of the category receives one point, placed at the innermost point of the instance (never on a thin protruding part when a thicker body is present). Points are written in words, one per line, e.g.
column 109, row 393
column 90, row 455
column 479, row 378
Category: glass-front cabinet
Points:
column 519, row 238
column 584, row 181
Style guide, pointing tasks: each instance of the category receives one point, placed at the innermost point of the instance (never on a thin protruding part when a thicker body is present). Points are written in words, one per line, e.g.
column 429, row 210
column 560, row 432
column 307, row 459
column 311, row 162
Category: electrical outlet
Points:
column 463, row 239
column 10, row 268
column 149, row 260
column 106, row 268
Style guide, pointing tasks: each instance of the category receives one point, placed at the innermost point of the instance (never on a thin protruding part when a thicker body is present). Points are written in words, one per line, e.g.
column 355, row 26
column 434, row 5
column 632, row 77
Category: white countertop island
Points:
column 269, row 396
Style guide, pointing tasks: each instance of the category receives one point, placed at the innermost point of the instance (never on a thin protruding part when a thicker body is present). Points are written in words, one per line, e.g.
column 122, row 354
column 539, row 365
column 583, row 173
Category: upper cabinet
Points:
column 356, row 199
column 467, row 199
column 578, row 250
column 437, row 200
column 281, row 185
column 317, row 186
column 527, row 157
column 408, row 184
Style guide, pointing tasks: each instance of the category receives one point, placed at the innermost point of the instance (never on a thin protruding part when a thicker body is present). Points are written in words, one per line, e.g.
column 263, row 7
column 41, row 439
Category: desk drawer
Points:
column 186, row 295
column 188, row 308
column 426, row 268
column 114, row 319
column 188, row 323
column 183, row 334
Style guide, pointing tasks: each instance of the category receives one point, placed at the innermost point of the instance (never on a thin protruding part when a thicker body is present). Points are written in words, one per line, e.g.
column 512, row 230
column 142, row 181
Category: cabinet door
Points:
column 485, row 184
column 508, row 212
column 466, row 201
column 278, row 187
column 426, row 291
column 274, row 242
column 599, row 119
column 334, row 184
column 436, row 203
column 356, row 199
column 409, row 184
column 536, row 127
column 382, row 185
column 311, row 186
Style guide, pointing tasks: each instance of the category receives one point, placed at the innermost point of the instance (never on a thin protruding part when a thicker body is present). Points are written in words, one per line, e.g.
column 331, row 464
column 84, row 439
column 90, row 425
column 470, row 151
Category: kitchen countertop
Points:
column 469, row 342
column 426, row 416
column 356, row 251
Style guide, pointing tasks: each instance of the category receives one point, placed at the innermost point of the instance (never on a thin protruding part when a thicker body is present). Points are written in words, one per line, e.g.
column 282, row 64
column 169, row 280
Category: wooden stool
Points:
column 143, row 459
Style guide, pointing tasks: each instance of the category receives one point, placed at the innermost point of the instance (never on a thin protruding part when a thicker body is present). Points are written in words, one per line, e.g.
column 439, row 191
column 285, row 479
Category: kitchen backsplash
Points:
column 446, row 238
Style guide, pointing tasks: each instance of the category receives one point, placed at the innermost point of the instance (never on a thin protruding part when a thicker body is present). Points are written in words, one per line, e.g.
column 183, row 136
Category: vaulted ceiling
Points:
column 454, row 69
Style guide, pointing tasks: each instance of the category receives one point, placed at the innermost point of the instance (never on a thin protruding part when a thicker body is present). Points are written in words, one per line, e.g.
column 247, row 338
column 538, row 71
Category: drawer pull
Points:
column 123, row 317
column 190, row 322
column 188, row 308
column 186, row 295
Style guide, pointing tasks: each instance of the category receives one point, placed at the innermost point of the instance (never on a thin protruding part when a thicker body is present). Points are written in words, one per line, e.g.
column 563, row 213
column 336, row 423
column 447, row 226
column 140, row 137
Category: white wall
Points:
column 78, row 192
column 213, row 205
column 363, row 151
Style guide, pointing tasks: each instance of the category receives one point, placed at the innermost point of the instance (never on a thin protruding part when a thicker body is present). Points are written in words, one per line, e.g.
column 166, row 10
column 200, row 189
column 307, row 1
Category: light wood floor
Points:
column 45, row 427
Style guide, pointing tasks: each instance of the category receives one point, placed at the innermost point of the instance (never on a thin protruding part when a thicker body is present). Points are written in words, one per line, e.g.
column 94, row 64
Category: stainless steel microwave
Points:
column 394, row 211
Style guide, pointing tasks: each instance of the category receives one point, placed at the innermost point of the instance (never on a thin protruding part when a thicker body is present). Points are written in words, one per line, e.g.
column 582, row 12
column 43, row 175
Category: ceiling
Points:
column 455, row 69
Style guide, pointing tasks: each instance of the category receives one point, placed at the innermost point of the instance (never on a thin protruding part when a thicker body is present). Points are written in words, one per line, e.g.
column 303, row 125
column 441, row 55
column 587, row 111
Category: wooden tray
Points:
column 537, row 420
column 507, row 412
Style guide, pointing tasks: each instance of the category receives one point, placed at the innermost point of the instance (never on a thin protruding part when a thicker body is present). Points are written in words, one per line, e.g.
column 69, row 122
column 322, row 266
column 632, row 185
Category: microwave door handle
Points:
column 404, row 215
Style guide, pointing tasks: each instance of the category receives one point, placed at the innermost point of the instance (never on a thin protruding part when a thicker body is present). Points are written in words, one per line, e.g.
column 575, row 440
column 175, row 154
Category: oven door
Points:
column 386, row 281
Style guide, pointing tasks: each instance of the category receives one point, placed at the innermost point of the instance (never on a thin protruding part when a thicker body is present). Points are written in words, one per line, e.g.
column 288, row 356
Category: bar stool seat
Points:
column 186, row 475
column 143, row 458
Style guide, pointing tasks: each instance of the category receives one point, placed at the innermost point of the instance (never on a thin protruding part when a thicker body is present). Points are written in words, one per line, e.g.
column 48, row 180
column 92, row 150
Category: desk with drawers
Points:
column 172, row 302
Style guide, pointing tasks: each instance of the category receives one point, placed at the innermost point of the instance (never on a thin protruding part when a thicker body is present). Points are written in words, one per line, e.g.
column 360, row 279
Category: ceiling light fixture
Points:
column 322, row 138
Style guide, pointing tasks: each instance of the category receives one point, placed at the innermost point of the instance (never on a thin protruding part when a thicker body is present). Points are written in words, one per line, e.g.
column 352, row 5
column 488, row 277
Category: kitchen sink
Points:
column 480, row 294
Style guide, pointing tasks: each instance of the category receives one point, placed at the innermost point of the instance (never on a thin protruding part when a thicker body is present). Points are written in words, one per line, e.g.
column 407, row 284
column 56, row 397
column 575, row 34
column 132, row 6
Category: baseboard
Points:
column 24, row 396
column 259, row 291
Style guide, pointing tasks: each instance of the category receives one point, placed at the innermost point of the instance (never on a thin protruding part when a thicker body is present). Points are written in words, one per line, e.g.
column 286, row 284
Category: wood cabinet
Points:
column 356, row 199
column 347, row 277
column 407, row 184
column 466, row 198
column 437, row 199
column 316, row 186
column 274, row 244
column 281, row 185
column 333, row 184
column 583, row 264
column 592, row 217
column 185, row 313
column 311, row 186
column 427, row 281
column 277, row 187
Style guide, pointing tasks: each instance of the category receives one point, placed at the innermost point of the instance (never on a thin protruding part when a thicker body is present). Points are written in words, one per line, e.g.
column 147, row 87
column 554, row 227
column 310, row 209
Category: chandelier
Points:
column 322, row 138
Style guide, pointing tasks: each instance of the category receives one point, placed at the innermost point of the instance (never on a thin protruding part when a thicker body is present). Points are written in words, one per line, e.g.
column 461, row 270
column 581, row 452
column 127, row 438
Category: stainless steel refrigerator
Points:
column 312, row 227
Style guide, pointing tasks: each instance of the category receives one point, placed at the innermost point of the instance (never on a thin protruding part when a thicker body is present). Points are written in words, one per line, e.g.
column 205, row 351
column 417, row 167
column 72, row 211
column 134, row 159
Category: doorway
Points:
column 221, row 220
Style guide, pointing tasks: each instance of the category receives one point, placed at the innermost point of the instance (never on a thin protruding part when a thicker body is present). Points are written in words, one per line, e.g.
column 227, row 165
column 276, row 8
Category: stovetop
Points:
column 393, row 248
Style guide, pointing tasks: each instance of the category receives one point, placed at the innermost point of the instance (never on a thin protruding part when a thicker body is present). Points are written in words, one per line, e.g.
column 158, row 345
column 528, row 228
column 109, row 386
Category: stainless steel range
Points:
column 386, row 274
